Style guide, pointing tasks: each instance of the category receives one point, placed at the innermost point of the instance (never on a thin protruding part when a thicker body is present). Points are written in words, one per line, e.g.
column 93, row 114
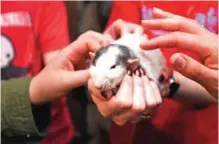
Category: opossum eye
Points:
column 112, row 67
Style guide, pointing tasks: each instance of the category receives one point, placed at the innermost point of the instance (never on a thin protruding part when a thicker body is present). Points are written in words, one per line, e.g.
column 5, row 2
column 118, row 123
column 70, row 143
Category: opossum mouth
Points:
column 109, row 92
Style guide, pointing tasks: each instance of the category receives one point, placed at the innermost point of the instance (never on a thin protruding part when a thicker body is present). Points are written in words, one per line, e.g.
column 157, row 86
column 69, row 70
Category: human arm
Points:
column 55, row 80
column 18, row 118
column 192, row 92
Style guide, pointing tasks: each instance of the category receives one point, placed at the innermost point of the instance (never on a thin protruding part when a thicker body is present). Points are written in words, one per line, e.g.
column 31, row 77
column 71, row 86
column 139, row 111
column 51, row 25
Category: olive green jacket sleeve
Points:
column 19, row 119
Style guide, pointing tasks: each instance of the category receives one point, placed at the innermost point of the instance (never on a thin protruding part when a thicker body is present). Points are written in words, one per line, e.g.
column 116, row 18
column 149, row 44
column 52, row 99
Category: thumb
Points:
column 75, row 79
column 190, row 68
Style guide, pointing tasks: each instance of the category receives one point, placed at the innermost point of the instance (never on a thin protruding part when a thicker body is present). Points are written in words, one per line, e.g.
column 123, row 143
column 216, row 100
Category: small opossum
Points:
column 110, row 64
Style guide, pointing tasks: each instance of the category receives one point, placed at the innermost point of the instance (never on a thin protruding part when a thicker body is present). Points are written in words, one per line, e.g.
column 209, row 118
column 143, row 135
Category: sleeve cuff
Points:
column 18, row 119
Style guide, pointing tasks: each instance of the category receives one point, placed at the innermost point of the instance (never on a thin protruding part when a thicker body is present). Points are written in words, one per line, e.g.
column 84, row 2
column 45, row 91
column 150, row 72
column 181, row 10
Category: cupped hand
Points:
column 187, row 34
column 136, row 95
column 60, row 75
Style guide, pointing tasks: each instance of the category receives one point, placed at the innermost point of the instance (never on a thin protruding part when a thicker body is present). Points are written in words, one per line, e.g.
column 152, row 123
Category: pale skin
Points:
column 189, row 35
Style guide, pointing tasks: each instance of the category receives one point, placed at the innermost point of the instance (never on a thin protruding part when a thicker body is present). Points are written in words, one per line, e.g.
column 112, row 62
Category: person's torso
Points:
column 175, row 123
column 21, row 56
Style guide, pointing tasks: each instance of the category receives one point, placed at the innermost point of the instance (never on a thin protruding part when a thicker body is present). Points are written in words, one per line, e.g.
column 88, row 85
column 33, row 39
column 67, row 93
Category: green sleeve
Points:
column 19, row 120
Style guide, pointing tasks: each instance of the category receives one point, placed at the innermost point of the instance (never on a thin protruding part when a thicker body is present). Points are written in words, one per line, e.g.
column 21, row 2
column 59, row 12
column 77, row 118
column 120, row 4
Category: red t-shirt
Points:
column 174, row 122
column 28, row 31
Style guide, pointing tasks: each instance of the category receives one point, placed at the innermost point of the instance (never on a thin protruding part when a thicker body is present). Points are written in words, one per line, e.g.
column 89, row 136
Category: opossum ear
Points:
column 92, row 55
column 133, row 64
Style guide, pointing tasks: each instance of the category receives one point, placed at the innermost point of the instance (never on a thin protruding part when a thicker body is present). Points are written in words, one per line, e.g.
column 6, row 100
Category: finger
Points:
column 156, row 93
column 103, row 40
column 181, row 40
column 124, row 94
column 136, row 29
column 125, row 30
column 121, row 28
column 110, row 107
column 109, row 38
column 138, row 96
column 73, row 79
column 80, row 53
column 115, row 104
column 138, row 105
column 191, row 68
column 78, row 50
column 158, row 13
column 170, row 24
column 115, row 30
column 150, row 98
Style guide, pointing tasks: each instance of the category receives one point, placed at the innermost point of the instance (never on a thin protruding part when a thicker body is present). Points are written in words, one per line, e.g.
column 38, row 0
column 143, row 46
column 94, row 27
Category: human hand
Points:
column 121, row 27
column 60, row 75
column 189, row 35
column 136, row 95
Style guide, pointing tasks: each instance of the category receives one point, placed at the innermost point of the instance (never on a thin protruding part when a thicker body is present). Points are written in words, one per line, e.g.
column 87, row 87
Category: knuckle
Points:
column 151, row 104
column 194, row 22
column 159, row 102
column 119, row 122
column 90, row 33
column 125, row 105
column 138, row 108
column 178, row 23
column 119, row 21
column 176, row 37
column 176, row 34
column 103, row 113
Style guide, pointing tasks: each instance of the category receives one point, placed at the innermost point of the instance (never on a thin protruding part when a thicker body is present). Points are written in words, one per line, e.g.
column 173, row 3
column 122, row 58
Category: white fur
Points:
column 102, row 75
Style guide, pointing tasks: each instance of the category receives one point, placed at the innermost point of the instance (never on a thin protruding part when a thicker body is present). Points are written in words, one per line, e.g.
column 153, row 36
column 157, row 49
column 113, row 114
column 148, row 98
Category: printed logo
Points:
column 146, row 14
column 15, row 19
column 209, row 19
column 8, row 70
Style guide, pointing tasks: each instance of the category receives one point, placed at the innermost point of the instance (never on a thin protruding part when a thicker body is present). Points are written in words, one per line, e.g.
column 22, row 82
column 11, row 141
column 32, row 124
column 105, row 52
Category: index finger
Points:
column 181, row 40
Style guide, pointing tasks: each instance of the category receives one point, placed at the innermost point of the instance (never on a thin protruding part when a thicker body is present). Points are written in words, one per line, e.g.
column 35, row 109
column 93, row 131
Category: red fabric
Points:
column 174, row 123
column 30, row 30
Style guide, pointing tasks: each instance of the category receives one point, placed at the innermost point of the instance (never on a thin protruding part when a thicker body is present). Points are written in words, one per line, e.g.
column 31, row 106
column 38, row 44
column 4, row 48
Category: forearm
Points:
column 192, row 92
column 19, row 118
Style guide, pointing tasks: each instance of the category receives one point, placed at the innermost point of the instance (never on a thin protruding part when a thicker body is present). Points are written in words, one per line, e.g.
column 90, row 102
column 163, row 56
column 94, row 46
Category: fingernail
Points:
column 158, row 10
column 142, row 45
column 128, row 79
column 179, row 63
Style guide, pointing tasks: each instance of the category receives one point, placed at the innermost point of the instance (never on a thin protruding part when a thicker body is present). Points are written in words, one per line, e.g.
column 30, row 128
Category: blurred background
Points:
column 90, row 126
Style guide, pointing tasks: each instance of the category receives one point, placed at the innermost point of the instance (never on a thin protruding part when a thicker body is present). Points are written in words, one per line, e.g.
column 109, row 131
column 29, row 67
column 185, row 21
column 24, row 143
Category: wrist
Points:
column 33, row 92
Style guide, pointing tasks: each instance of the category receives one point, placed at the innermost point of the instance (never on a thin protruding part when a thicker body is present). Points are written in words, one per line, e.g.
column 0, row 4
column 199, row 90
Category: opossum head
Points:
column 109, row 65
